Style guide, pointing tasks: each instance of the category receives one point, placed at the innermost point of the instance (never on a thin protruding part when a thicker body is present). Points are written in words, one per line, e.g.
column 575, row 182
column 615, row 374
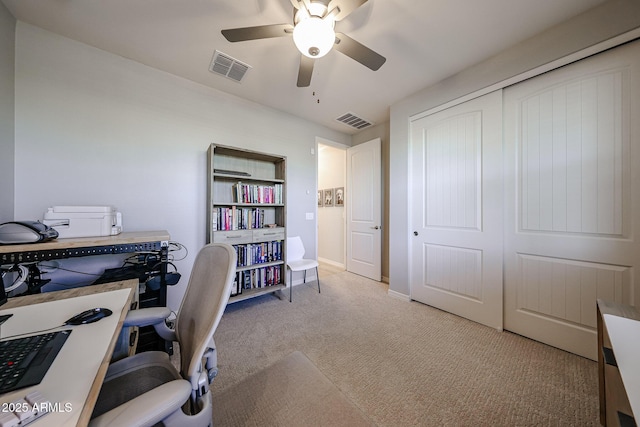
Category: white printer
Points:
column 84, row 221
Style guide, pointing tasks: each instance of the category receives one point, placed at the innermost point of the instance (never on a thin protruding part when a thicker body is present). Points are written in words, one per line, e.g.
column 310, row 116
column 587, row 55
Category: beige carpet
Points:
column 403, row 363
column 290, row 392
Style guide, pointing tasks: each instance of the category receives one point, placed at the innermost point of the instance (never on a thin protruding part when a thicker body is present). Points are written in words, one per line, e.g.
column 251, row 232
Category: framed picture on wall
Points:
column 339, row 196
column 320, row 199
column 328, row 197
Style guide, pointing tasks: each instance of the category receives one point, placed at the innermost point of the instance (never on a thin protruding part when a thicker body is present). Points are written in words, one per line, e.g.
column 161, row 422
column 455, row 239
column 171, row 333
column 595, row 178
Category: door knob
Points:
column 415, row 233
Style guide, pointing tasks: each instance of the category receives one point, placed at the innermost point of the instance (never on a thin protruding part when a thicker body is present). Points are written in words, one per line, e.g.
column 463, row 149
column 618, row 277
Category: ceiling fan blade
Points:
column 259, row 32
column 345, row 7
column 359, row 52
column 305, row 71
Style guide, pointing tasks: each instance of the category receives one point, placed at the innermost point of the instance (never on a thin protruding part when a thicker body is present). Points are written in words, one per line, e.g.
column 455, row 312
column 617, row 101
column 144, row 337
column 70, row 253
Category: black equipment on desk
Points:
column 20, row 232
column 3, row 293
column 151, row 270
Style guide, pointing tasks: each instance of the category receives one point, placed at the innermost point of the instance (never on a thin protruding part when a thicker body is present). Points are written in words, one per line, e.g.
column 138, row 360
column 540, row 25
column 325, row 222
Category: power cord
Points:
column 178, row 247
column 23, row 273
column 57, row 267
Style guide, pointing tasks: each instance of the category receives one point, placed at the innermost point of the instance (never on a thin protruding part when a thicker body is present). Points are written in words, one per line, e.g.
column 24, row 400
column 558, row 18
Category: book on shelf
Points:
column 235, row 288
column 258, row 253
column 246, row 282
column 253, row 193
column 258, row 278
column 235, row 218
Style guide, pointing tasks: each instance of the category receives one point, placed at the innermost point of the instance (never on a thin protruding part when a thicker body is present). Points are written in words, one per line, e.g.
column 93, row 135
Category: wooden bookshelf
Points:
column 246, row 201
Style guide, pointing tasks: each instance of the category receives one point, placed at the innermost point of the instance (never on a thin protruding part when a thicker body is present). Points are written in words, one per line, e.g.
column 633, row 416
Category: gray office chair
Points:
column 297, row 262
column 146, row 389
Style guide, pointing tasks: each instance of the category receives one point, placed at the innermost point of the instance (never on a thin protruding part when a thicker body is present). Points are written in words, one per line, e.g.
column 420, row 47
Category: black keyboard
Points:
column 25, row 361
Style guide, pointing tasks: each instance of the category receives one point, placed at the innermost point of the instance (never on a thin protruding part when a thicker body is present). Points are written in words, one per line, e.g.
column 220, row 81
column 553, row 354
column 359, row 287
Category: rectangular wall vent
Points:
column 354, row 121
column 227, row 66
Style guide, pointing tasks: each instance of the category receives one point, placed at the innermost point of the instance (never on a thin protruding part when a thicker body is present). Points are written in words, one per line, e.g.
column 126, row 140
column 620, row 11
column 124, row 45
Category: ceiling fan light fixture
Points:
column 314, row 37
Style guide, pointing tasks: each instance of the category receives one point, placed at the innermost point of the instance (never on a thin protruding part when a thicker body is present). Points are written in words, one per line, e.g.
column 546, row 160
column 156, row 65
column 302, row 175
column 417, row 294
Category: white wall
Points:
column 7, row 56
column 93, row 128
column 331, row 221
column 604, row 22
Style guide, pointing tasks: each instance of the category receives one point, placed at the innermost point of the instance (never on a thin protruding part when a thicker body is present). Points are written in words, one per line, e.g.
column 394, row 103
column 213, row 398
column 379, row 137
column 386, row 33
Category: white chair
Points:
column 146, row 389
column 296, row 262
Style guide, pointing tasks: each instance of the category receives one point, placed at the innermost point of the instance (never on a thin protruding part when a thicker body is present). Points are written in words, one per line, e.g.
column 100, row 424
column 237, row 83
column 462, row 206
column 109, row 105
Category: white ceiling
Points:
column 424, row 42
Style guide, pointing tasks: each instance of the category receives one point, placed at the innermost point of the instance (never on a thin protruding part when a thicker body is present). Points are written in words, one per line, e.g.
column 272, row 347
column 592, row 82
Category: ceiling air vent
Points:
column 227, row 66
column 354, row 121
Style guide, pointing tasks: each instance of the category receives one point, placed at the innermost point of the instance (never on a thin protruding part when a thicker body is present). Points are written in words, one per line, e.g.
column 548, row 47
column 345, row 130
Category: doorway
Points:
column 331, row 208
column 349, row 207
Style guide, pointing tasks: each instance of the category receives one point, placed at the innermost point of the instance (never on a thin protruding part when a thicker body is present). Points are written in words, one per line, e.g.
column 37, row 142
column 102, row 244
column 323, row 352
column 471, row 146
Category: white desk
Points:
column 624, row 334
column 618, row 369
column 75, row 378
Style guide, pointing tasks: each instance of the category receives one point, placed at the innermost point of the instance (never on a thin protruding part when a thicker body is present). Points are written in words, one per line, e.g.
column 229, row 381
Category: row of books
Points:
column 233, row 218
column 256, row 279
column 258, row 253
column 252, row 193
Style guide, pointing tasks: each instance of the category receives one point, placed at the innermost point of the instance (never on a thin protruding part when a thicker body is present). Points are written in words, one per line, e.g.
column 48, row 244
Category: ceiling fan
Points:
column 314, row 34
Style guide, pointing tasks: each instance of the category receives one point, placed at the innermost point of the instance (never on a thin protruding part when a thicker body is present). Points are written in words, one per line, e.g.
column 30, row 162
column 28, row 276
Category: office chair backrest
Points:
column 295, row 248
column 204, row 302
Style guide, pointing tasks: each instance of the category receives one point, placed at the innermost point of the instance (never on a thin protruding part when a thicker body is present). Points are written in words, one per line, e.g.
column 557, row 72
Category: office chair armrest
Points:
column 148, row 408
column 147, row 316
column 165, row 332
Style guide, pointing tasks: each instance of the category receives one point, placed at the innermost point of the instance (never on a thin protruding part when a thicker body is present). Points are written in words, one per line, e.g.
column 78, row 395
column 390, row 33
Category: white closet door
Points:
column 456, row 209
column 572, row 155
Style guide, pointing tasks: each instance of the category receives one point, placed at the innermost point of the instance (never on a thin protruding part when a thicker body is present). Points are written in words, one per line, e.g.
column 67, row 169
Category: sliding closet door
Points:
column 572, row 156
column 456, row 209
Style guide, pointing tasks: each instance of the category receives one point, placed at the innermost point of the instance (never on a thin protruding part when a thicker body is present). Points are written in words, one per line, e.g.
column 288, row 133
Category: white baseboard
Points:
column 331, row 262
column 399, row 296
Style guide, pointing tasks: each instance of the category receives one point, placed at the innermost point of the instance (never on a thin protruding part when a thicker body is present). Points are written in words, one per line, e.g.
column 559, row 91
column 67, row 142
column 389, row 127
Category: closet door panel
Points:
column 456, row 169
column 572, row 197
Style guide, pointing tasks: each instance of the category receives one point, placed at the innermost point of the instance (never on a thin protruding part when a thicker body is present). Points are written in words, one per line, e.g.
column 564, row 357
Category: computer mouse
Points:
column 89, row 316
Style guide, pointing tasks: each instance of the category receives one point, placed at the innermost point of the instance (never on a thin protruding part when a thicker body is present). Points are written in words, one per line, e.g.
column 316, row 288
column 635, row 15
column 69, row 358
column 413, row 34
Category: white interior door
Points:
column 456, row 209
column 364, row 210
column 572, row 150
